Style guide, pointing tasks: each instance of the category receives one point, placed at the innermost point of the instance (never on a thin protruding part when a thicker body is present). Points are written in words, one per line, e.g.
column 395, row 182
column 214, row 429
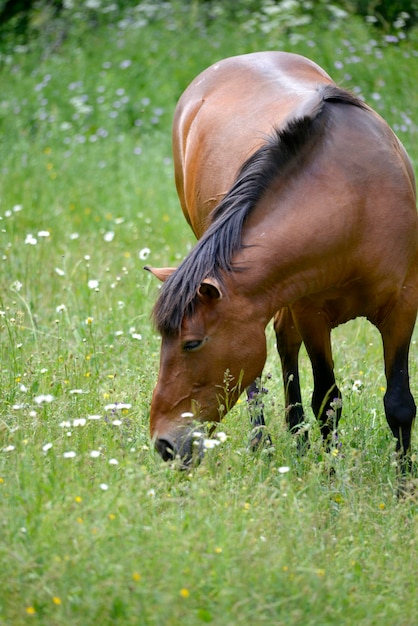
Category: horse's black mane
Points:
column 214, row 252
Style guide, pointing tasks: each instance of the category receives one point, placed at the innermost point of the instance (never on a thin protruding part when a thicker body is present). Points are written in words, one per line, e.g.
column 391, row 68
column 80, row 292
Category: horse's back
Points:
column 230, row 109
column 226, row 113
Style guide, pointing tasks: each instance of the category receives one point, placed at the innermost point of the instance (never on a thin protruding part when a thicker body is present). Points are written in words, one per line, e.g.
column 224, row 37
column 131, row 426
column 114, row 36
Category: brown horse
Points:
column 304, row 202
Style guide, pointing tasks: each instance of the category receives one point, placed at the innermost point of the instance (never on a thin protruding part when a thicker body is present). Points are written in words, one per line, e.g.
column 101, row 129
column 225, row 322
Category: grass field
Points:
column 95, row 528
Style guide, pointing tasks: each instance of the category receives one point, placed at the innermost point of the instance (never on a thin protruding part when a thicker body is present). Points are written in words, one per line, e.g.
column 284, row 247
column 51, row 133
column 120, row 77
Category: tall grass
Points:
column 95, row 529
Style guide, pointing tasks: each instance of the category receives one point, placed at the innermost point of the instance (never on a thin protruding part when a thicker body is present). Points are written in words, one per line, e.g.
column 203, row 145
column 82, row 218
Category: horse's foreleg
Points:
column 288, row 341
column 315, row 330
column 259, row 433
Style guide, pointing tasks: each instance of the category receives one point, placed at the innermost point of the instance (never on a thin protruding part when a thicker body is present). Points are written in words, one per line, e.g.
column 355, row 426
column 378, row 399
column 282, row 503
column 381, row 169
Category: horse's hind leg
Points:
column 288, row 341
column 400, row 408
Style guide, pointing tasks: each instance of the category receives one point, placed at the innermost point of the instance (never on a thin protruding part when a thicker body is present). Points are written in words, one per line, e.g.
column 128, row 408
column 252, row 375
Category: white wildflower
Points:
column 209, row 444
column 30, row 240
column 43, row 399
column 144, row 254
column 79, row 421
column 79, row 103
column 357, row 386
column 109, row 236
column 17, row 285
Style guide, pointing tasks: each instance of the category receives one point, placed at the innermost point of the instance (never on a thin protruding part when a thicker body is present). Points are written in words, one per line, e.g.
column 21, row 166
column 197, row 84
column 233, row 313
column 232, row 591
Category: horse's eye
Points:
column 191, row 346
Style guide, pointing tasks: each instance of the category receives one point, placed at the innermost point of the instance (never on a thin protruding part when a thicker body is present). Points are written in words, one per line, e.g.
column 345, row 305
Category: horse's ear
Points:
column 162, row 273
column 209, row 289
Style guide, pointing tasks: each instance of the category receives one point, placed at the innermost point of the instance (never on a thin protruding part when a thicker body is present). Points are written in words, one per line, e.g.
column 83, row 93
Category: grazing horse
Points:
column 304, row 203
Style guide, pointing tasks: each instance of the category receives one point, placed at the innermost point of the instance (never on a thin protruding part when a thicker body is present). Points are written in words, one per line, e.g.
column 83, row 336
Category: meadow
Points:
column 95, row 528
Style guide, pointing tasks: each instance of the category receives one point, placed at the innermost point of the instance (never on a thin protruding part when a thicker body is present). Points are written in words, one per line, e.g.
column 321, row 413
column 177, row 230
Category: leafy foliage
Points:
column 51, row 20
column 388, row 14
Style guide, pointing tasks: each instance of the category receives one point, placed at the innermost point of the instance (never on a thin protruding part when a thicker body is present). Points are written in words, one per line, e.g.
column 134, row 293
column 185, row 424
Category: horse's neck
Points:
column 278, row 263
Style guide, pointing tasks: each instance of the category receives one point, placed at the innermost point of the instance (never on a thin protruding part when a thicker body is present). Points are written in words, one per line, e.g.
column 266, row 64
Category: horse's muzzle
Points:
column 186, row 448
column 165, row 448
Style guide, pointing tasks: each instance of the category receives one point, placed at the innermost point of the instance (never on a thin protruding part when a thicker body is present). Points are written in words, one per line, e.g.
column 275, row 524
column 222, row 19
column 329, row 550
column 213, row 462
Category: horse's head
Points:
column 203, row 368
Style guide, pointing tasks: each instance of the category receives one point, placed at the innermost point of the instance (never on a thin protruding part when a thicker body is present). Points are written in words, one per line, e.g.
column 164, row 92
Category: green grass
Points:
column 95, row 529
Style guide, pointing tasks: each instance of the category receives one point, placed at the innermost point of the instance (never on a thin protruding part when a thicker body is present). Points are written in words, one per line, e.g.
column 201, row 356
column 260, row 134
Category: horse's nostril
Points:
column 165, row 448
